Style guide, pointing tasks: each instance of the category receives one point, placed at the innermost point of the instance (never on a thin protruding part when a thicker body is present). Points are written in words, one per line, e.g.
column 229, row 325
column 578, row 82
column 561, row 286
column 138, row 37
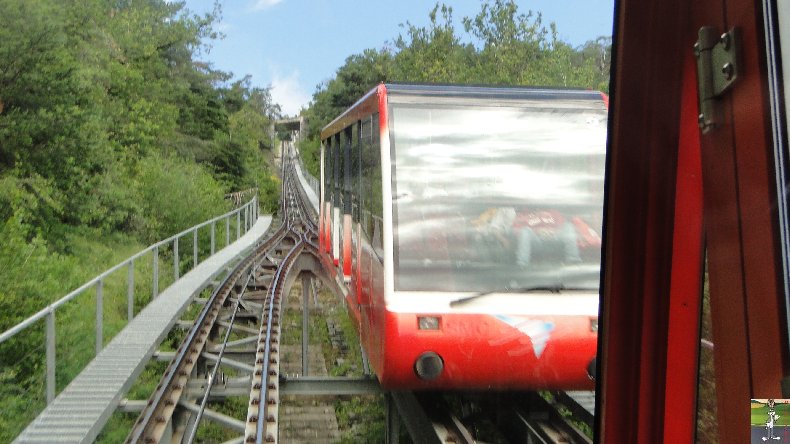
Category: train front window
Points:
column 489, row 198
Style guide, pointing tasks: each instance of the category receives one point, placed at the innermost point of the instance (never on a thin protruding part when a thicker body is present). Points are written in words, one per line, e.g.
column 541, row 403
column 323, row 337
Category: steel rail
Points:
column 529, row 418
column 269, row 373
column 213, row 375
column 159, row 408
column 180, row 367
column 303, row 207
column 264, row 394
column 262, row 252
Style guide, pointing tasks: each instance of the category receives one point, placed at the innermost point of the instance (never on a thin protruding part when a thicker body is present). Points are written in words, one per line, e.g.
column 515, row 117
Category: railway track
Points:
column 254, row 291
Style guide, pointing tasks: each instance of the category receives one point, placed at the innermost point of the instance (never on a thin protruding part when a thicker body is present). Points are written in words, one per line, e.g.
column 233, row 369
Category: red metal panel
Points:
column 346, row 266
column 741, row 231
column 687, row 259
column 686, row 287
column 757, row 207
column 483, row 352
column 640, row 218
column 725, row 263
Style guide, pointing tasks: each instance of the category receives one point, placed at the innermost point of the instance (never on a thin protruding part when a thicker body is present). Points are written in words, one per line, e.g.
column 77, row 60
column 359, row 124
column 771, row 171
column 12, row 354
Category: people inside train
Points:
column 544, row 230
column 493, row 233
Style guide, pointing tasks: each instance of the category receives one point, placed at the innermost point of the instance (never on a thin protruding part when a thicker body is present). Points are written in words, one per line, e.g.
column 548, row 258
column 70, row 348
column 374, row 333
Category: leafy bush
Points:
column 174, row 195
column 310, row 149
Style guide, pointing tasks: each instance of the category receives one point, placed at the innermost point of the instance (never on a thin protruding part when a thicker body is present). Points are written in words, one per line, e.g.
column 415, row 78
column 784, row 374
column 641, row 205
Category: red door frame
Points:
column 644, row 388
column 747, row 300
column 640, row 200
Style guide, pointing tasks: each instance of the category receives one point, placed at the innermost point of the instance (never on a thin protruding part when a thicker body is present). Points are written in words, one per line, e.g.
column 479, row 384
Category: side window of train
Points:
column 327, row 188
column 337, row 184
column 377, row 202
column 366, row 165
column 370, row 199
column 348, row 171
column 355, row 171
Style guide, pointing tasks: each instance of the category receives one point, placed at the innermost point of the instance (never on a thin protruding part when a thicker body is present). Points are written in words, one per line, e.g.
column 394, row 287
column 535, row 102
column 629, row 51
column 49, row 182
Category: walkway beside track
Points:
column 79, row 413
column 311, row 195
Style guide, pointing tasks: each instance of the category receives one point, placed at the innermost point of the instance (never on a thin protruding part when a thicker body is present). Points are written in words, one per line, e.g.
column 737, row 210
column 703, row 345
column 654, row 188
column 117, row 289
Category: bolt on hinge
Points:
column 717, row 69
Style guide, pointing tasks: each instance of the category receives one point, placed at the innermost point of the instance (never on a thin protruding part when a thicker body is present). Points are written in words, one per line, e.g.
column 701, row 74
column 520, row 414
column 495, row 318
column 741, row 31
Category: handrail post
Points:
column 227, row 231
column 130, row 292
column 99, row 315
column 50, row 356
column 195, row 248
column 155, row 286
column 213, row 236
column 175, row 259
column 238, row 225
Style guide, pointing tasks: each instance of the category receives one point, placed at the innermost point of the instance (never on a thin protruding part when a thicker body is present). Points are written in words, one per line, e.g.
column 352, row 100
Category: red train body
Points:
column 464, row 223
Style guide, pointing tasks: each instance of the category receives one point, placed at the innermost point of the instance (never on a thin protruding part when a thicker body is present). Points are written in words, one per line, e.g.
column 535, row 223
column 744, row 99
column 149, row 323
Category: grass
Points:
column 23, row 374
column 88, row 253
column 360, row 418
column 120, row 424
column 23, row 393
column 235, row 407
column 759, row 414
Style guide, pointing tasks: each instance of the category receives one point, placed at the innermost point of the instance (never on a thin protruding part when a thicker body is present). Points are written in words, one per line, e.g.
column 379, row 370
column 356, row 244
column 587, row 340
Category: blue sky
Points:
column 293, row 45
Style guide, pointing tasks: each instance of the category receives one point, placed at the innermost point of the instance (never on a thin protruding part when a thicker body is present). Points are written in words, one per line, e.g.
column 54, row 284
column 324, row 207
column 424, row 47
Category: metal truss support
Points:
column 219, row 418
column 305, row 323
column 328, row 385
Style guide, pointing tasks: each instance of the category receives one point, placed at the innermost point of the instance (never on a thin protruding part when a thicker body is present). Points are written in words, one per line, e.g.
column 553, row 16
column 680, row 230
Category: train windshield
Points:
column 489, row 198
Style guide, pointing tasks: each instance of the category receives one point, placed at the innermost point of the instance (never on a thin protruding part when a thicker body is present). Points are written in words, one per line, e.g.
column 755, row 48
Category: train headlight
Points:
column 594, row 325
column 429, row 366
column 428, row 322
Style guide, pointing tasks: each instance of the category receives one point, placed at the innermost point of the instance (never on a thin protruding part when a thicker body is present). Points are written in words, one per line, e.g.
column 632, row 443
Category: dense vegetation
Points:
column 110, row 124
column 112, row 135
column 498, row 46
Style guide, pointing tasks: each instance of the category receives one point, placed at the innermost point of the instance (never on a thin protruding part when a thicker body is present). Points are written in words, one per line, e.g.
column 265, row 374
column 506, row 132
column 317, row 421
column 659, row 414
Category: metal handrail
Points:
column 251, row 213
column 311, row 180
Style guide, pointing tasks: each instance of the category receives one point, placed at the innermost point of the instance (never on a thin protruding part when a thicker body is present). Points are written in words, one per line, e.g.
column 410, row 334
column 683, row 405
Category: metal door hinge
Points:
column 717, row 69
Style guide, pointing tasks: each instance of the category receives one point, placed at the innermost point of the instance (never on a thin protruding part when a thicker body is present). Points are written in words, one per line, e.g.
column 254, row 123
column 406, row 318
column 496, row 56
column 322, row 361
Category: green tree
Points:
column 434, row 53
column 511, row 43
column 501, row 46
column 193, row 195
column 47, row 128
column 358, row 75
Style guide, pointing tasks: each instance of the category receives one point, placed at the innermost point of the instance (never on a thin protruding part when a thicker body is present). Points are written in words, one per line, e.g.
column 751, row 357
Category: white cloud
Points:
column 260, row 5
column 289, row 92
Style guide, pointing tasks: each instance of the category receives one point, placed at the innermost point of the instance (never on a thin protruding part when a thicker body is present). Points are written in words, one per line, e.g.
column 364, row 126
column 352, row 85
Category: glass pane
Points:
column 493, row 197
